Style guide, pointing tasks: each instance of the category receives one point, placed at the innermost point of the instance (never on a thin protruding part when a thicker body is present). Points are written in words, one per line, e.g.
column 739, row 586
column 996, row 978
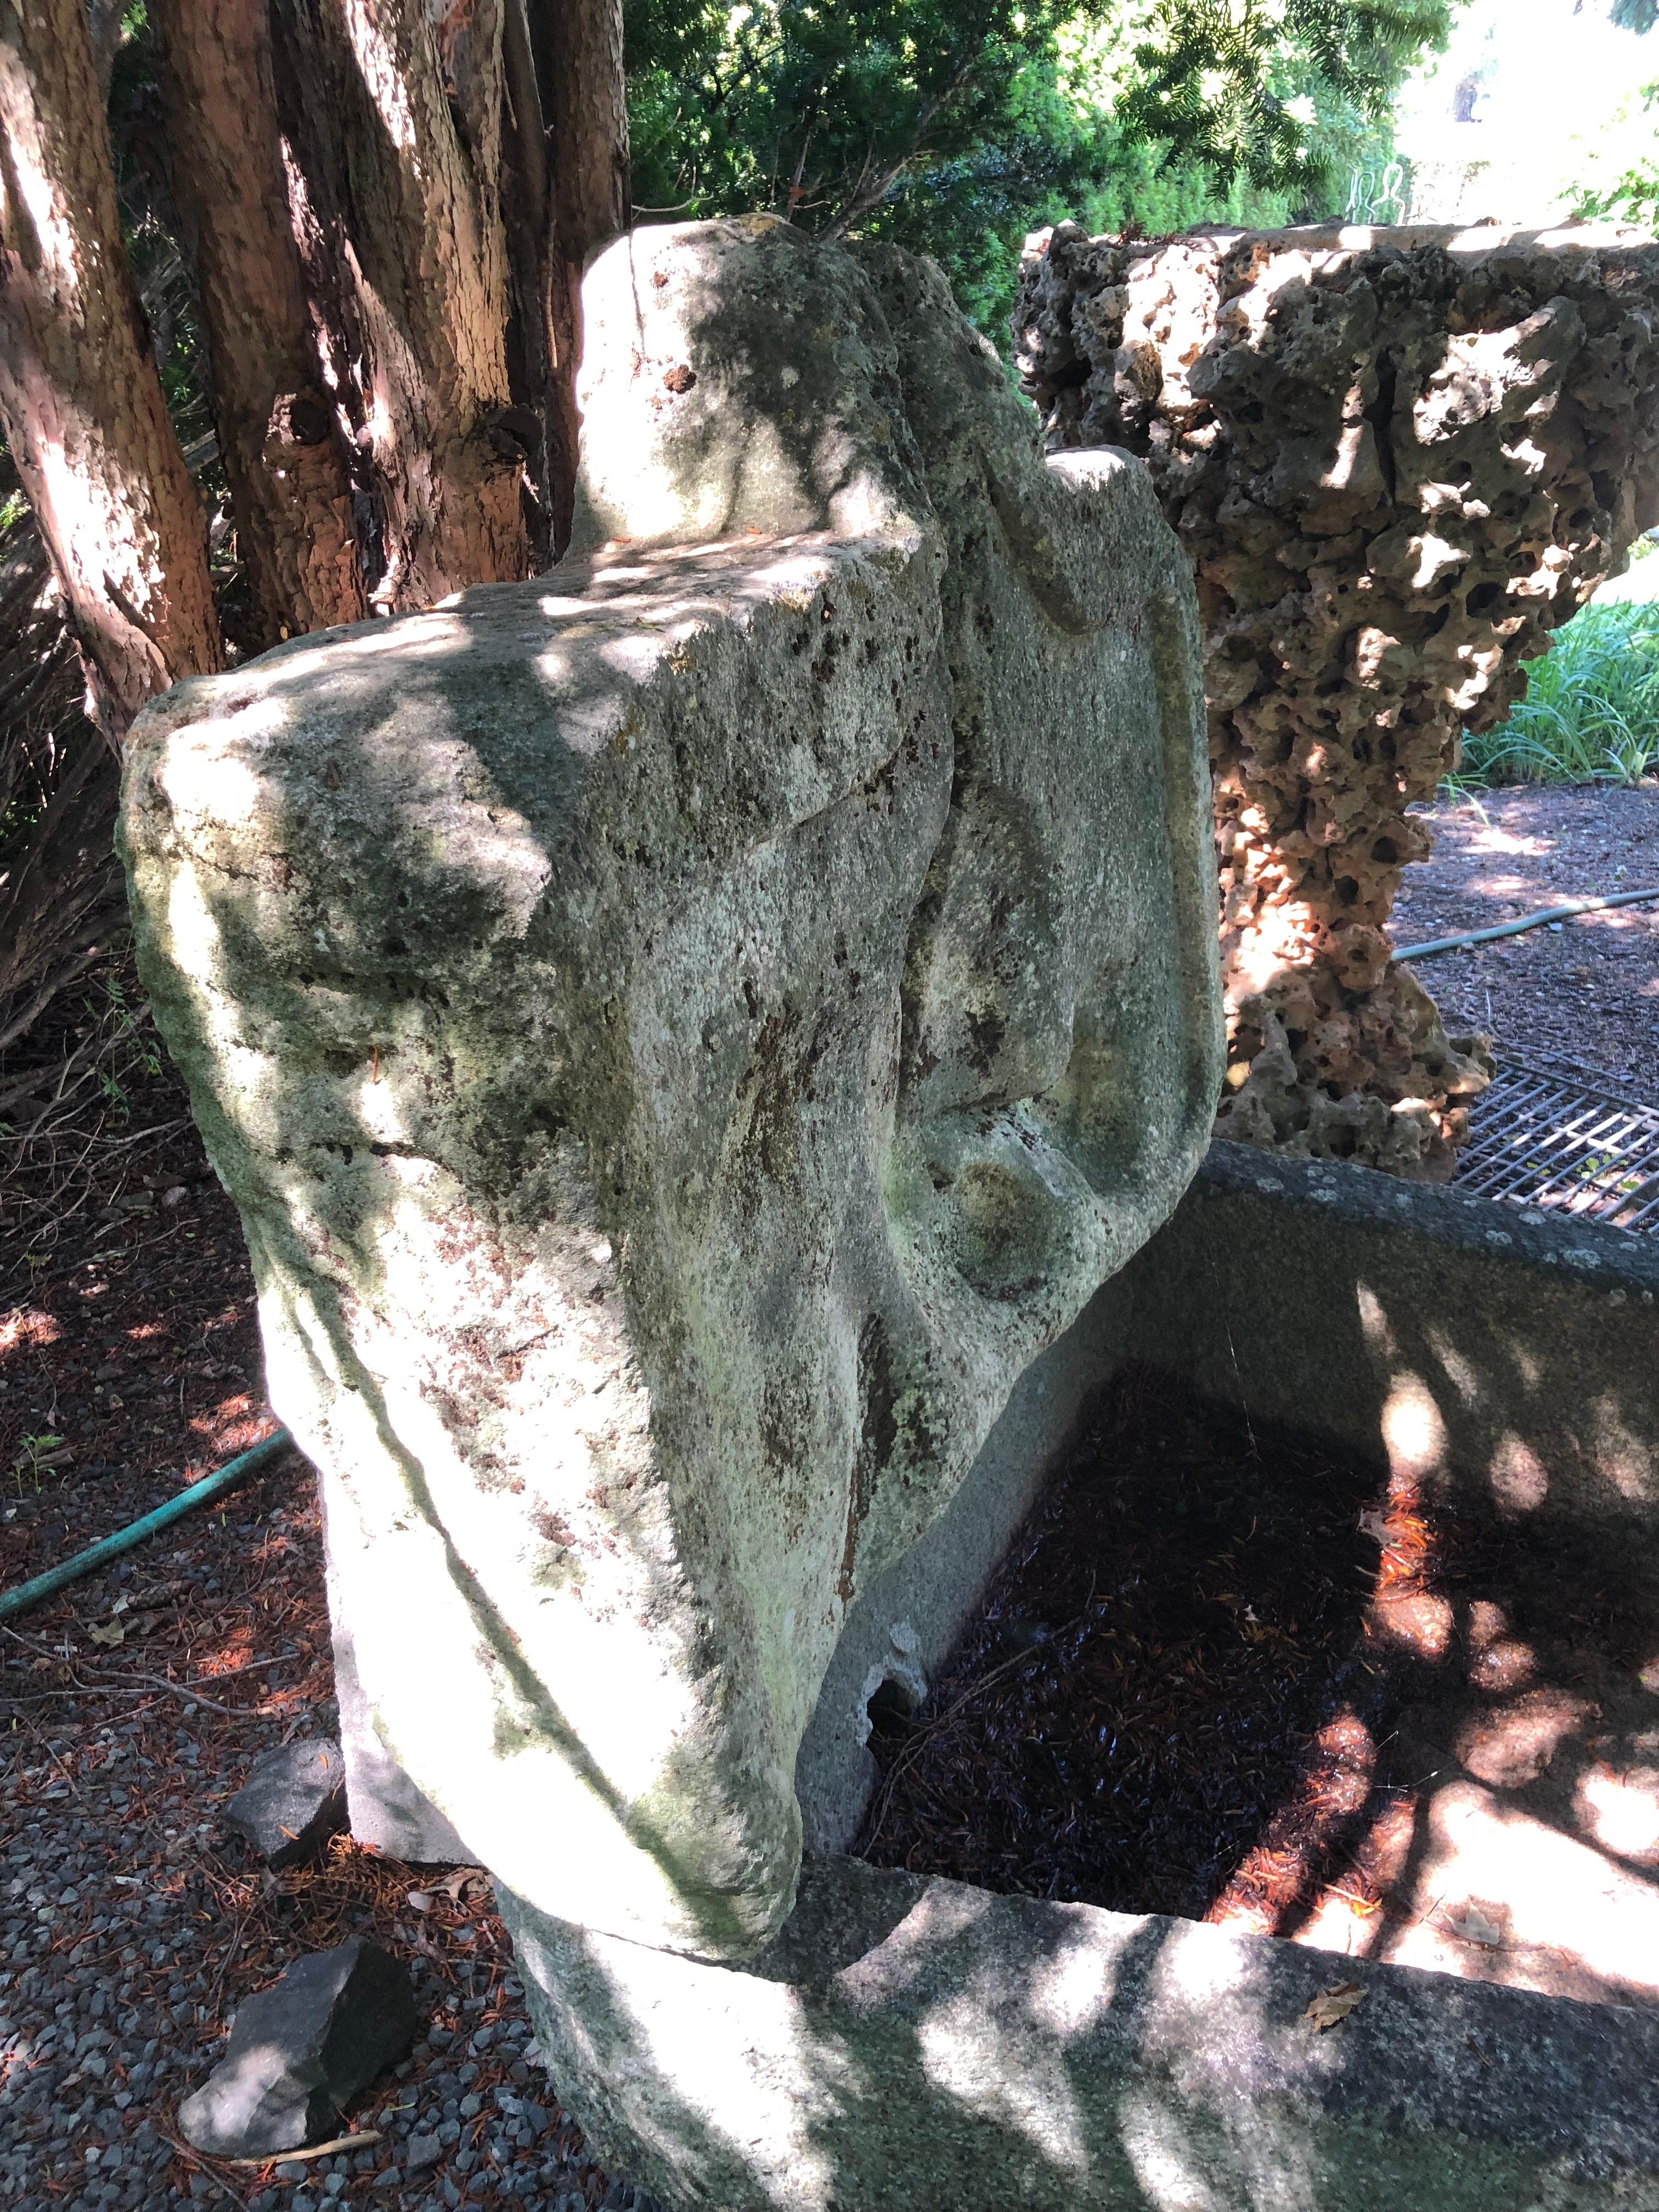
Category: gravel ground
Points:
column 131, row 1923
column 1587, row 988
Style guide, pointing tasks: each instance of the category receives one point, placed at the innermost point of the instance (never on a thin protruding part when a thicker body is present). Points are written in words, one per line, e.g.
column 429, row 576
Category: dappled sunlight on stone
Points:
column 1503, row 1892
column 1414, row 1432
column 1514, row 1742
column 1519, row 1479
column 1170, row 2169
column 729, row 908
column 1619, row 1809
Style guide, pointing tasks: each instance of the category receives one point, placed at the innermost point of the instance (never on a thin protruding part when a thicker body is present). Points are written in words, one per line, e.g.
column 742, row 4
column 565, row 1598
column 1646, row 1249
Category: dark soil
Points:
column 1589, row 989
column 138, row 1698
column 1226, row 1675
column 1181, row 1614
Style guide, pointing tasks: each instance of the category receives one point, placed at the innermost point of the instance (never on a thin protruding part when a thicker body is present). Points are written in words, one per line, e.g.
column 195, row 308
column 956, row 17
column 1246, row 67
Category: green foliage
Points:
column 955, row 126
column 1242, row 84
column 36, row 1452
column 1631, row 194
column 1591, row 712
column 1637, row 15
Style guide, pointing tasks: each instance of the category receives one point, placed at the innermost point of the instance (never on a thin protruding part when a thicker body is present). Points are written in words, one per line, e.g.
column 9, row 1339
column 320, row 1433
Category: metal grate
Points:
column 1551, row 1135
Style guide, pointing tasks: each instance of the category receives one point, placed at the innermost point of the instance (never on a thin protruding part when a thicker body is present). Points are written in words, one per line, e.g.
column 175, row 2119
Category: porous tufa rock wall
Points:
column 683, row 1035
column 1397, row 459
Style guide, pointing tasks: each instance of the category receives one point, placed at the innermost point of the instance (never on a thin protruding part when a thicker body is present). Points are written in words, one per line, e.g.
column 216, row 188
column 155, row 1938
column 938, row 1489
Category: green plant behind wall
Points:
column 956, row 126
column 1591, row 709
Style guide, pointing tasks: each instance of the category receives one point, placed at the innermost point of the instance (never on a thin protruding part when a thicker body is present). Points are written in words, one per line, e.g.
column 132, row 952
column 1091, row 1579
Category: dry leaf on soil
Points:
column 1475, row 1928
column 1334, row 2004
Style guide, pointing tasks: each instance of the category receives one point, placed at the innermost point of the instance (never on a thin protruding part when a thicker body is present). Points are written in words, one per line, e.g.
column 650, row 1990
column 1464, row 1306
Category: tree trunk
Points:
column 278, row 433
column 396, row 123
column 79, row 393
column 579, row 60
column 540, row 325
column 575, row 59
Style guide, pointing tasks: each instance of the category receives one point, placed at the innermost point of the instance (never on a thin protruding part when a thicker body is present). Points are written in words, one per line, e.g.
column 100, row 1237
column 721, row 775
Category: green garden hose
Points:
column 110, row 1547
column 1563, row 913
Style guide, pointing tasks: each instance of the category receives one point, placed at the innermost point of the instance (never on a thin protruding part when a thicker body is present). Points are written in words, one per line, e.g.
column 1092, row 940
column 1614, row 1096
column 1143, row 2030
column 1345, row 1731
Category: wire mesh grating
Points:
column 1552, row 1135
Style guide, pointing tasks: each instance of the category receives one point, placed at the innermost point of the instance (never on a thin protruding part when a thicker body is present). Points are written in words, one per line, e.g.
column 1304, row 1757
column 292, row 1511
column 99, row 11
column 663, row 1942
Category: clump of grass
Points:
column 1591, row 709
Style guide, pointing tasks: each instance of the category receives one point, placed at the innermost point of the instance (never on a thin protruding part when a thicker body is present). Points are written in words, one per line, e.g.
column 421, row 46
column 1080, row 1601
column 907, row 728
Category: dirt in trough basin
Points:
column 1226, row 1674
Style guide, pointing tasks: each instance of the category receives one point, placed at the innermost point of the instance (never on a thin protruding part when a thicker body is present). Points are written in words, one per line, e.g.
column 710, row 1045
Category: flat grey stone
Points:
column 302, row 2051
column 293, row 1801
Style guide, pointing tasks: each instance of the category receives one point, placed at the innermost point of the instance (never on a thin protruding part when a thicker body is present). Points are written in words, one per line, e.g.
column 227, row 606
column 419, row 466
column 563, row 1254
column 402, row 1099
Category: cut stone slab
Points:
column 302, row 2051
column 294, row 1800
column 683, row 1035
column 907, row 2041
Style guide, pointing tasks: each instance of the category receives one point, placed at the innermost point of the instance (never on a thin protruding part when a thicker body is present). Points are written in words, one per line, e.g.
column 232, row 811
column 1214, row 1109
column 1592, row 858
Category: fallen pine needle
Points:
column 316, row 2150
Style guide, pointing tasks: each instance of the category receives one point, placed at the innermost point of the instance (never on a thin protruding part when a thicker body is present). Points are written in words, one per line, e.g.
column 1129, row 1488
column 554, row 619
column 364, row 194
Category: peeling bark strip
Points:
column 1397, row 459
column 79, row 393
column 289, row 482
column 395, row 124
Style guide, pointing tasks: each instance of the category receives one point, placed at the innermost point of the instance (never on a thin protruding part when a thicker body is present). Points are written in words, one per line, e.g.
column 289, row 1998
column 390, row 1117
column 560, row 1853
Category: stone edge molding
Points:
column 1397, row 459
column 909, row 2041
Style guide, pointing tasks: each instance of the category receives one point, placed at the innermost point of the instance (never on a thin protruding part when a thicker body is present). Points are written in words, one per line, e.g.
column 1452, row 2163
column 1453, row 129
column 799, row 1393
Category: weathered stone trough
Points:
column 907, row 2041
column 707, row 1049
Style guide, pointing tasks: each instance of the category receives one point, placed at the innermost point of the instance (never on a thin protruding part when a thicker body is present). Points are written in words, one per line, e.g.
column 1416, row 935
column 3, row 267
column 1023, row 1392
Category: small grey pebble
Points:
column 293, row 2169
column 421, row 2152
column 388, row 2178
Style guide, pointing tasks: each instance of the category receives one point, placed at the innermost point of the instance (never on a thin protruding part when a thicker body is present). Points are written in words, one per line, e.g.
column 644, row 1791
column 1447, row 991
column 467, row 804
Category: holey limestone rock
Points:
column 683, row 1034
column 1397, row 461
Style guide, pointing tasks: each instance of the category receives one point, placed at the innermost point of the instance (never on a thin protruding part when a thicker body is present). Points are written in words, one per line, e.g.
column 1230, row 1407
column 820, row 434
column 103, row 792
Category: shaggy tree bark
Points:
column 540, row 348
column 80, row 397
column 565, row 64
column 395, row 122
column 579, row 61
column 278, row 433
